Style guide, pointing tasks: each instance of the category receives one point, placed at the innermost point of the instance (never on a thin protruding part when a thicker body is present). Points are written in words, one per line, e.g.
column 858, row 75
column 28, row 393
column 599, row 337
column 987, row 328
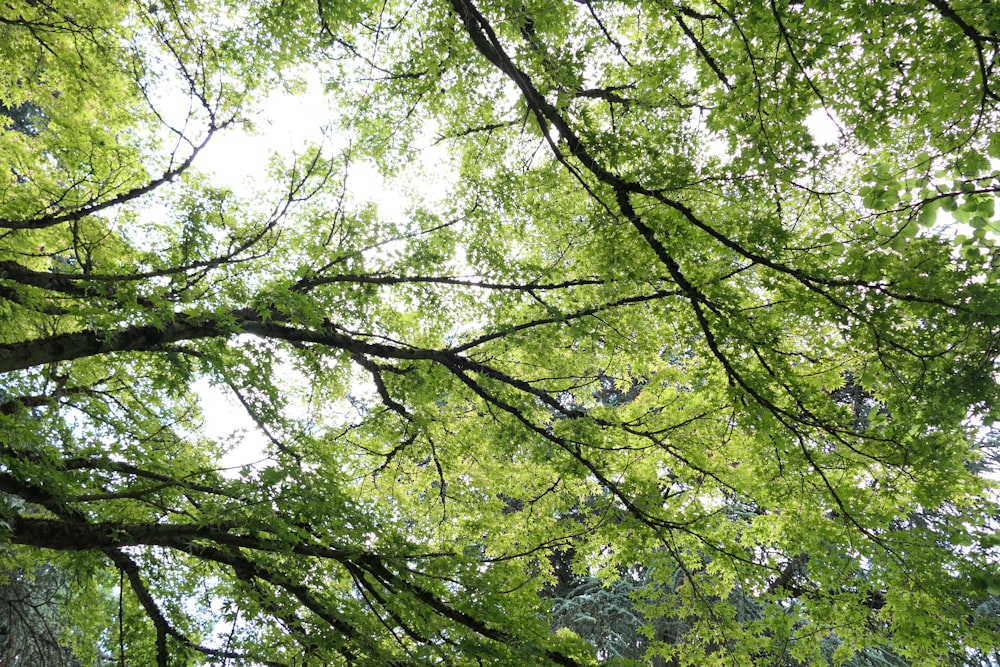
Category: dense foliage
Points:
column 624, row 360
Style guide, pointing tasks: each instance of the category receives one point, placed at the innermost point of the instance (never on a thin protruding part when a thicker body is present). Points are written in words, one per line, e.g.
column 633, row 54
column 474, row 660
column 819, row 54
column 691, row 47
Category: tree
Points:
column 637, row 298
column 39, row 627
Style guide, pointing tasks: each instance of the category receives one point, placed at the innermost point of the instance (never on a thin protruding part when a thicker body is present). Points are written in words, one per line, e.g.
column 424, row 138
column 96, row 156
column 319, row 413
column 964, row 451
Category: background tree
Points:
column 627, row 294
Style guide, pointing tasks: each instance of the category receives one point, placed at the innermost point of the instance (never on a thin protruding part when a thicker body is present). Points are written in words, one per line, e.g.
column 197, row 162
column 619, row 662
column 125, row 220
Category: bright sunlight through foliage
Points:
column 577, row 332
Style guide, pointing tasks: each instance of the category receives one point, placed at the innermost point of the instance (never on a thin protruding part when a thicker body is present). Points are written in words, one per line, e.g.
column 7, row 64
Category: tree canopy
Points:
column 645, row 368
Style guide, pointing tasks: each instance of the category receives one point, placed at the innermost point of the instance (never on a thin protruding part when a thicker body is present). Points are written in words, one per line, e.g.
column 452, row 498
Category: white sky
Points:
column 823, row 126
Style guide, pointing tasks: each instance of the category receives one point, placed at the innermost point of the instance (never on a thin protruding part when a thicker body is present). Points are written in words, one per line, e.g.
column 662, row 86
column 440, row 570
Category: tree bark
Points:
column 79, row 344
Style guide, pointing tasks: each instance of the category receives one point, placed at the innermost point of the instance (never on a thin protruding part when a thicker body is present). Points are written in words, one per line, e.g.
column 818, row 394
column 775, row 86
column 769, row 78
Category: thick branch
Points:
column 81, row 536
column 64, row 347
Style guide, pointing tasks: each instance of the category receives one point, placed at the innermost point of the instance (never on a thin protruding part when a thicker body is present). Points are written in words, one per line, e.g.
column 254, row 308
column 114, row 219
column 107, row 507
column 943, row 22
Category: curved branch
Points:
column 96, row 206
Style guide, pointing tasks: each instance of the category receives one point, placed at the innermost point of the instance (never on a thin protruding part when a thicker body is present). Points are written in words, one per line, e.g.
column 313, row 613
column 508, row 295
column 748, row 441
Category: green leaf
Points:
column 549, row 334
column 994, row 145
column 929, row 214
